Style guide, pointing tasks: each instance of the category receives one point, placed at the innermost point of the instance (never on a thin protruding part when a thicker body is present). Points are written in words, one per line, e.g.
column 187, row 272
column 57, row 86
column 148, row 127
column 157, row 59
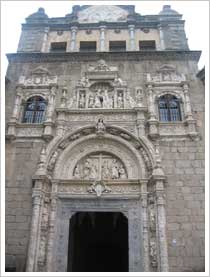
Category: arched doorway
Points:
column 98, row 242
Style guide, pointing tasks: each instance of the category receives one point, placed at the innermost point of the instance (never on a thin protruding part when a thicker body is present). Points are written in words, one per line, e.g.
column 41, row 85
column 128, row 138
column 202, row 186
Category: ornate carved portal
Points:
column 119, row 176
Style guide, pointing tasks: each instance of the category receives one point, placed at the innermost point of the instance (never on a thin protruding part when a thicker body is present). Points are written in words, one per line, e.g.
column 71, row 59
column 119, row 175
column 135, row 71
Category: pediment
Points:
column 97, row 13
column 40, row 71
column 167, row 68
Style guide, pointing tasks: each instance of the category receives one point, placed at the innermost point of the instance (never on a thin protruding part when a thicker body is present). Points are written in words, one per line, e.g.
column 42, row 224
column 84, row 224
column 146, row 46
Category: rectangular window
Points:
column 87, row 46
column 147, row 45
column 115, row 46
column 57, row 47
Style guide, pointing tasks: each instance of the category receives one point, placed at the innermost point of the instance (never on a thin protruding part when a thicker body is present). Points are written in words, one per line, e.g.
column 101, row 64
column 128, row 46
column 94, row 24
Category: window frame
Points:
column 58, row 50
column 148, row 48
column 118, row 48
column 88, row 49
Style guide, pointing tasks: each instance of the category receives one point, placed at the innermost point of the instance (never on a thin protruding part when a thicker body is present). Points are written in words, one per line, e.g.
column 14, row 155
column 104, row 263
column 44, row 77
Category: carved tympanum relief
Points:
column 100, row 166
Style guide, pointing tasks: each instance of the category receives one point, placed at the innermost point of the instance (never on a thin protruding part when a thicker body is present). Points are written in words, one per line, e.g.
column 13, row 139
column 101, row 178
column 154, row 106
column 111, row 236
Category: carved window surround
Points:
column 168, row 81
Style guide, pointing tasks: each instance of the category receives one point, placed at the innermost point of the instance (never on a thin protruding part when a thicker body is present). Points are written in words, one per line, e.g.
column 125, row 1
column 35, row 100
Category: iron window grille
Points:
column 34, row 111
column 169, row 108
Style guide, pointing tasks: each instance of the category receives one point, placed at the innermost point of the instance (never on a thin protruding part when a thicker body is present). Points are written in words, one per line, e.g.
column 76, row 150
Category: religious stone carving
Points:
column 100, row 166
column 100, row 126
column 99, row 188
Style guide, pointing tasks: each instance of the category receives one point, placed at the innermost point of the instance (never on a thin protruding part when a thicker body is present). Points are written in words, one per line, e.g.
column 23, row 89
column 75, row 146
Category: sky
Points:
column 195, row 14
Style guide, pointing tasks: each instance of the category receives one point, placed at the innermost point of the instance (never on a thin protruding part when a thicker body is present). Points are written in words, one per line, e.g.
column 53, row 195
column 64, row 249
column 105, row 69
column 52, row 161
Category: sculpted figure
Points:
column 91, row 101
column 120, row 100
column 87, row 169
column 93, row 172
column 82, row 101
column 100, row 127
column 105, row 170
column 122, row 172
column 115, row 173
column 97, row 100
column 76, row 173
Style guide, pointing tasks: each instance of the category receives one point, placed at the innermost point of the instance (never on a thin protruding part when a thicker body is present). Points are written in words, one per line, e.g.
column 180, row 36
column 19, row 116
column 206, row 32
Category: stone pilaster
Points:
column 11, row 133
column 73, row 39
column 132, row 37
column 140, row 121
column 153, row 122
column 48, row 124
column 35, row 225
column 191, row 123
column 102, row 38
column 144, row 207
column 45, row 38
column 158, row 181
column 162, row 42
column 51, row 231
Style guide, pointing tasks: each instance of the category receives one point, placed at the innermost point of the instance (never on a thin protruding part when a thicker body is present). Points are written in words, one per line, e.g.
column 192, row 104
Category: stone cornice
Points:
column 108, row 56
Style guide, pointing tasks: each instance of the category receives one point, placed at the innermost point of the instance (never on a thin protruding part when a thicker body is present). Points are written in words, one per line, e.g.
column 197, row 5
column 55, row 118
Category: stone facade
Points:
column 102, row 145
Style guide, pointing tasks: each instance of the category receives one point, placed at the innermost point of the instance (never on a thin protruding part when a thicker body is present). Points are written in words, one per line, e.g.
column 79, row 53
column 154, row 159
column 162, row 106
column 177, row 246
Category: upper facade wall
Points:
column 98, row 24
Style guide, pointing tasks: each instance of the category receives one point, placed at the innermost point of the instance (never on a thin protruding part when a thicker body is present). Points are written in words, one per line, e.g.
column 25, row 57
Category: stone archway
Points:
column 60, row 192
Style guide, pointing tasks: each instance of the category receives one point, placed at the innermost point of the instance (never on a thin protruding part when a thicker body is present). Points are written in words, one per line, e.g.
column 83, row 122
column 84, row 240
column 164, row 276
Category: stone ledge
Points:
column 108, row 56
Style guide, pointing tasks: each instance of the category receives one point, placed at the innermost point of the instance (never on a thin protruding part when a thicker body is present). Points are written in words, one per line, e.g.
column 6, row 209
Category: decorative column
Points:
column 162, row 42
column 48, row 129
column 189, row 118
column 158, row 179
column 102, row 38
column 153, row 122
column 73, row 39
column 45, row 37
column 51, row 231
column 15, row 114
column 132, row 37
column 144, row 207
column 35, row 225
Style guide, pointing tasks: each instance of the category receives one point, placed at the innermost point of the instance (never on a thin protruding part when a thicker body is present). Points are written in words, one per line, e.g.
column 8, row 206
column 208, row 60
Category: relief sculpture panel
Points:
column 100, row 166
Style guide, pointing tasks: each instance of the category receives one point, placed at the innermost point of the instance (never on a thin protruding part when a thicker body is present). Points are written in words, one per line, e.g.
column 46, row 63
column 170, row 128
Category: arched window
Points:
column 34, row 110
column 169, row 108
